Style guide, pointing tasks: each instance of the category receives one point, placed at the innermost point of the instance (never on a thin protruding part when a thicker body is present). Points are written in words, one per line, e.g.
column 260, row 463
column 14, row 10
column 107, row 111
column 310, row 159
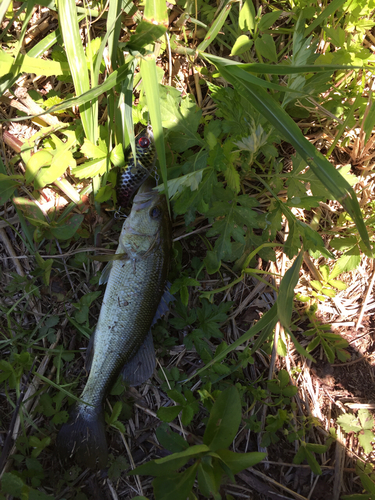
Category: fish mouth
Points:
column 145, row 195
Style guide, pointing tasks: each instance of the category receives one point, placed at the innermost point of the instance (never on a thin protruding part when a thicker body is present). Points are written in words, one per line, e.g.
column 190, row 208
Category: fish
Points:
column 135, row 297
column 137, row 170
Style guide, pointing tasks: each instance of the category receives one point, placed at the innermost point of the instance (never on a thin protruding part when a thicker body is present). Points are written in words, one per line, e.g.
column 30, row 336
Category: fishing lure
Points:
column 137, row 169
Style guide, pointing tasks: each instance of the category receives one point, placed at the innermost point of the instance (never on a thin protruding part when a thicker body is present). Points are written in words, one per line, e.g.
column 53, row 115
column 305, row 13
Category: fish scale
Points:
column 122, row 341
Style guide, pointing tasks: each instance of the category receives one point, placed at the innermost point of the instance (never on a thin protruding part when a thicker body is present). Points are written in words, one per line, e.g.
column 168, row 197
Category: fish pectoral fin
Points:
column 141, row 367
column 105, row 273
column 163, row 307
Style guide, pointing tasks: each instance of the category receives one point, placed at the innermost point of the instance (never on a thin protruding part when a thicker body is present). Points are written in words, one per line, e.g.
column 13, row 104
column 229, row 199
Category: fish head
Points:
column 148, row 225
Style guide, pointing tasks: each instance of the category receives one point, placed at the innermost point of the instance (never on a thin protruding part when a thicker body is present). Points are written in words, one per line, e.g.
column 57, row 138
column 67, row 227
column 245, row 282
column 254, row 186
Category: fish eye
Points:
column 144, row 142
column 155, row 212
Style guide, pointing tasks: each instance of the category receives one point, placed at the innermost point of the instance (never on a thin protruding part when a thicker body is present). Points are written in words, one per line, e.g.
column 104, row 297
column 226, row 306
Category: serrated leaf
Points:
column 349, row 261
column 191, row 180
column 365, row 440
column 187, row 415
column 182, row 118
column 169, row 413
column 229, row 224
column 90, row 168
column 365, row 418
column 177, row 397
column 90, row 150
column 349, row 422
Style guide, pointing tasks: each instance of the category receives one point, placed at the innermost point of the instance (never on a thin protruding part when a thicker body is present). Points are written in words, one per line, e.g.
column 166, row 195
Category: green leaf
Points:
column 156, row 12
column 349, row 261
column 68, row 229
column 153, row 469
column 60, row 162
column 12, row 484
column 8, row 184
column 242, row 44
column 91, row 168
column 78, row 65
column 182, row 117
column 187, row 415
column 26, row 64
column 225, row 418
column 286, row 292
column 232, row 216
column 311, row 460
column 266, row 47
column 366, row 419
column 240, row 461
column 145, row 33
column 212, row 262
column 207, row 480
column 192, row 451
column 176, row 485
column 29, row 209
column 349, row 422
column 169, row 413
column 170, row 440
column 268, row 20
column 246, row 20
column 151, row 87
column 92, row 151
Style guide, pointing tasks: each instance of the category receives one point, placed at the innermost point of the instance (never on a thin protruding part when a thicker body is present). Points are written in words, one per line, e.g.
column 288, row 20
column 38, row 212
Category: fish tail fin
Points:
column 83, row 437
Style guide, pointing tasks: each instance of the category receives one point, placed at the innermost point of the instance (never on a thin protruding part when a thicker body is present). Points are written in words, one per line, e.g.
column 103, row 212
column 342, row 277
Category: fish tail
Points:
column 83, row 437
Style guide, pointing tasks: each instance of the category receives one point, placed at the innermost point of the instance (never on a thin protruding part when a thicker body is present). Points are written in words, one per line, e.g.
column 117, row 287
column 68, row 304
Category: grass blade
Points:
column 156, row 12
column 215, row 27
column 77, row 62
column 114, row 79
column 113, row 28
column 151, row 86
column 330, row 9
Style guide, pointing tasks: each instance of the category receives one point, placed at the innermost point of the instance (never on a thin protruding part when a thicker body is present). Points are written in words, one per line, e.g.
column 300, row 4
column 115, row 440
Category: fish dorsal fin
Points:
column 141, row 367
column 105, row 273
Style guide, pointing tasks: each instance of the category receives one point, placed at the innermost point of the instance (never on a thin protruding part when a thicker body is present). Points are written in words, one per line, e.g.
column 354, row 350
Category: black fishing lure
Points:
column 137, row 170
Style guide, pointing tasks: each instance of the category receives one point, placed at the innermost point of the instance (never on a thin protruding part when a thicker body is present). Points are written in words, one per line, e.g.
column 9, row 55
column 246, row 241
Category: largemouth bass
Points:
column 137, row 169
column 122, row 340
